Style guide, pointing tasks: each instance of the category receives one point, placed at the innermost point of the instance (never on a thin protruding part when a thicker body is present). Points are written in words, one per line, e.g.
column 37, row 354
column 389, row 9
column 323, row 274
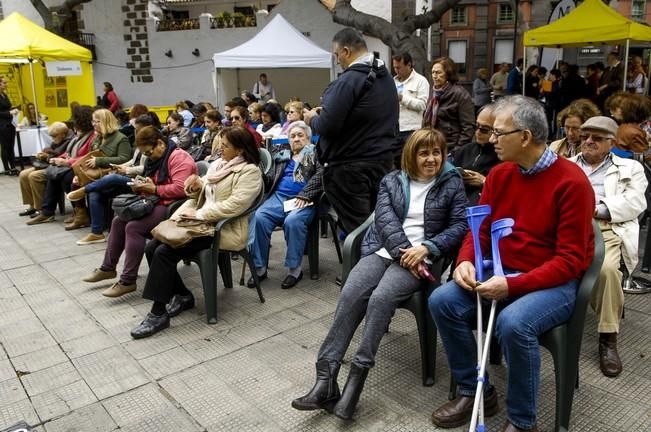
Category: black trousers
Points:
column 53, row 189
column 7, row 136
column 163, row 280
column 402, row 138
column 352, row 189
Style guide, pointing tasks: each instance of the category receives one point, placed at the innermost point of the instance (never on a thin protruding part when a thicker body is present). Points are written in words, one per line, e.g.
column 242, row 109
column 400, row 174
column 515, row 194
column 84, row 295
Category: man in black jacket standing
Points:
column 357, row 123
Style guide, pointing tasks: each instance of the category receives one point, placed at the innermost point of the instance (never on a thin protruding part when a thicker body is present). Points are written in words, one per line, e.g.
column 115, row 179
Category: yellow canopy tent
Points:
column 591, row 23
column 26, row 42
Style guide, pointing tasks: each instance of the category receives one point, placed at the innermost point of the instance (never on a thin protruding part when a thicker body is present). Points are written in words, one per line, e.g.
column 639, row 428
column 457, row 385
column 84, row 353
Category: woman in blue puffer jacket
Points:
column 419, row 216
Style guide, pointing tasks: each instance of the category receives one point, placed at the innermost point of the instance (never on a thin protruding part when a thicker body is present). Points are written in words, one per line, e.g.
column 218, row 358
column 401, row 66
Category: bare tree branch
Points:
column 399, row 37
column 425, row 20
column 346, row 14
column 44, row 12
column 63, row 12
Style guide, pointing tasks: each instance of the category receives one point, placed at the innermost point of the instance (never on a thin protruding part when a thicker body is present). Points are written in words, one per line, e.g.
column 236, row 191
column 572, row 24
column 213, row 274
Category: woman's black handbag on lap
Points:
column 131, row 206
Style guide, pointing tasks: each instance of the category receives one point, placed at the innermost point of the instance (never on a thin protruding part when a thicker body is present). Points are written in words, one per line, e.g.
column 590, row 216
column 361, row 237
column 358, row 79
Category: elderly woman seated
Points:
column 419, row 216
column 166, row 170
column 294, row 113
column 228, row 189
column 33, row 180
column 292, row 179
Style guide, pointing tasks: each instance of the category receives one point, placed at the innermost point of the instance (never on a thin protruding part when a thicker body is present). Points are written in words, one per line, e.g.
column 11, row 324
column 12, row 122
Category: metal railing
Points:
column 87, row 40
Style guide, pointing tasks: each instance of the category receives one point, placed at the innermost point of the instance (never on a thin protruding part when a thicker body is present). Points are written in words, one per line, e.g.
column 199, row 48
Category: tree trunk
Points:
column 63, row 13
column 399, row 37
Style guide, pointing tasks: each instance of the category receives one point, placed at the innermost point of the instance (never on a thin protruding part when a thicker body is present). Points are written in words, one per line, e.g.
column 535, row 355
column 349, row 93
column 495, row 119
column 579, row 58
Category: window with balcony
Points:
column 458, row 15
column 504, row 13
column 638, row 10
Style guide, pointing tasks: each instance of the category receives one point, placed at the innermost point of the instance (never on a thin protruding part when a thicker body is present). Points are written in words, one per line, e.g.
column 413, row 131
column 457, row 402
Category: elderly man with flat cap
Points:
column 619, row 186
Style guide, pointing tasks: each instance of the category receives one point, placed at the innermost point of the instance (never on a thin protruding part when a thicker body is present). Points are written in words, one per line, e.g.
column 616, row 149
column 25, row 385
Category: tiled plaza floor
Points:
column 67, row 362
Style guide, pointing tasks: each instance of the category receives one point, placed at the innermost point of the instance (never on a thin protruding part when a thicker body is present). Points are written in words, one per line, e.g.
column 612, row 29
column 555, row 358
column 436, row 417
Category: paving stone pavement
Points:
column 67, row 362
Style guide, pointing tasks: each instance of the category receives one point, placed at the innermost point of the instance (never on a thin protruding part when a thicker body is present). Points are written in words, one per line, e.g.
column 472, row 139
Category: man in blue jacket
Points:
column 357, row 123
column 514, row 80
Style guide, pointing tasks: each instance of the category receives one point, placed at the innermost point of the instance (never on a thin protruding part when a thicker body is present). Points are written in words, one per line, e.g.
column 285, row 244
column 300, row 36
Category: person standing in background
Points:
column 263, row 89
column 514, row 80
column 7, row 131
column 110, row 99
column 481, row 90
column 357, row 123
column 413, row 92
column 498, row 81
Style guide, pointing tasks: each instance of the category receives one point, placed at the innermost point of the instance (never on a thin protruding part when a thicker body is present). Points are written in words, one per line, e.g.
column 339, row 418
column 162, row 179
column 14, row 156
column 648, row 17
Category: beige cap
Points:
column 601, row 123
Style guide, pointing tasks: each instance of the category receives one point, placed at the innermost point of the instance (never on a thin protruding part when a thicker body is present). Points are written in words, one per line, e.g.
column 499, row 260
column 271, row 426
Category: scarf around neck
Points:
column 160, row 165
column 431, row 112
column 223, row 169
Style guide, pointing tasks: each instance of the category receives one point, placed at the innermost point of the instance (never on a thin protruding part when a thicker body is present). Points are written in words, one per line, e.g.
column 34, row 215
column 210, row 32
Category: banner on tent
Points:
column 63, row 68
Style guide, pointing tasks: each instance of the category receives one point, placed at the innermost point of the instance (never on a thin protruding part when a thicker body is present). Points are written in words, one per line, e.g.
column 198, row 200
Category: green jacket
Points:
column 115, row 146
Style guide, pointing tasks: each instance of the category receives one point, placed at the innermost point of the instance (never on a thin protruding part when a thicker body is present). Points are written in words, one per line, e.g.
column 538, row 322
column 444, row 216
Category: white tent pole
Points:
column 524, row 67
column 38, row 122
column 628, row 41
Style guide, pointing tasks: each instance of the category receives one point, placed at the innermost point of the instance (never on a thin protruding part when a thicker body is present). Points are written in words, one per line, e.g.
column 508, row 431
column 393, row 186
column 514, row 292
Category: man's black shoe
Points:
column 27, row 212
column 251, row 282
column 178, row 304
column 151, row 325
column 290, row 281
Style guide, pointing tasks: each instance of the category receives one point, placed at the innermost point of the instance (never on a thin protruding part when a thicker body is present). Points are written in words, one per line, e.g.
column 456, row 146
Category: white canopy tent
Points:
column 277, row 45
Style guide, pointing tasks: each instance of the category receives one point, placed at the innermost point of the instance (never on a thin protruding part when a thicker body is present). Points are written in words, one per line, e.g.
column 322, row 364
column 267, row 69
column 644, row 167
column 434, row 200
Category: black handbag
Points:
column 54, row 172
column 131, row 206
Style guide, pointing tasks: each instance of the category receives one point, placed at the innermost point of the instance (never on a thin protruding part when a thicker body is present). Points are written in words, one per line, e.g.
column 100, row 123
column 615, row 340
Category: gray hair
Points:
column 527, row 113
column 490, row 109
column 301, row 125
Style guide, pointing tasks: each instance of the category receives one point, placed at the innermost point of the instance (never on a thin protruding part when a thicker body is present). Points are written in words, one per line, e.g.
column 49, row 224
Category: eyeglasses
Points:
column 499, row 133
column 484, row 129
column 236, row 118
column 595, row 138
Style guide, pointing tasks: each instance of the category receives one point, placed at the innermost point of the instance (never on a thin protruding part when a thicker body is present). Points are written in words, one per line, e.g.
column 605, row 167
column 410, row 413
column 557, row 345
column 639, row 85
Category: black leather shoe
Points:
column 290, row 281
column 27, row 212
column 151, row 325
column 251, row 282
column 178, row 304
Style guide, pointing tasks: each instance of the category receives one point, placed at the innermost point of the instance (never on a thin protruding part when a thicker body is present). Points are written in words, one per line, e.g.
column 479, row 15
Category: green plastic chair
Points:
column 564, row 340
column 210, row 259
column 416, row 304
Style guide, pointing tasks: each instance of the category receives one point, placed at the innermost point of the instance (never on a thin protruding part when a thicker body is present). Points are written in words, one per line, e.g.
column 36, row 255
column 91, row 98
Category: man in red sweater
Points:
column 551, row 246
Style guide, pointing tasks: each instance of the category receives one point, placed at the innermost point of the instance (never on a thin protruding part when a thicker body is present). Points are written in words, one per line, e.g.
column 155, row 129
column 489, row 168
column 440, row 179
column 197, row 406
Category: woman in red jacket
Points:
column 110, row 99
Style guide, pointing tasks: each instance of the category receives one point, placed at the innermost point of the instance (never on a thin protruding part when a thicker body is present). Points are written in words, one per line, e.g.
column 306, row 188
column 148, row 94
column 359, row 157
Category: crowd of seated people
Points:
column 419, row 216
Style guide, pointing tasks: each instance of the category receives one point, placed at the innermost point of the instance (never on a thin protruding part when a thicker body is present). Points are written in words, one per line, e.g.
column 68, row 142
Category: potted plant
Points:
column 228, row 21
column 219, row 20
column 238, row 19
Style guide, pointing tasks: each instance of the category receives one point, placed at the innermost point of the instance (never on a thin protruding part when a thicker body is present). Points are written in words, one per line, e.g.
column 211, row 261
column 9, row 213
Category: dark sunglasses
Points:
column 483, row 129
column 595, row 138
column 236, row 118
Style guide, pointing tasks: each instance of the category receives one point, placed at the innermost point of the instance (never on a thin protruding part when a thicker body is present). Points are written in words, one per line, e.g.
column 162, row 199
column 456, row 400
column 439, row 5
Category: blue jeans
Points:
column 270, row 215
column 99, row 192
column 519, row 322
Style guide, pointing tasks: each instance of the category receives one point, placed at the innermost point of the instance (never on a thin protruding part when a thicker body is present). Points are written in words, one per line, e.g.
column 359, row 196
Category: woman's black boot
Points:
column 325, row 393
column 345, row 408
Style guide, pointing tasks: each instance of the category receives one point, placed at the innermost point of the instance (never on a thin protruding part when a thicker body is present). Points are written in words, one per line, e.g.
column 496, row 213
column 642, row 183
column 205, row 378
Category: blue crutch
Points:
column 475, row 216
column 499, row 229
